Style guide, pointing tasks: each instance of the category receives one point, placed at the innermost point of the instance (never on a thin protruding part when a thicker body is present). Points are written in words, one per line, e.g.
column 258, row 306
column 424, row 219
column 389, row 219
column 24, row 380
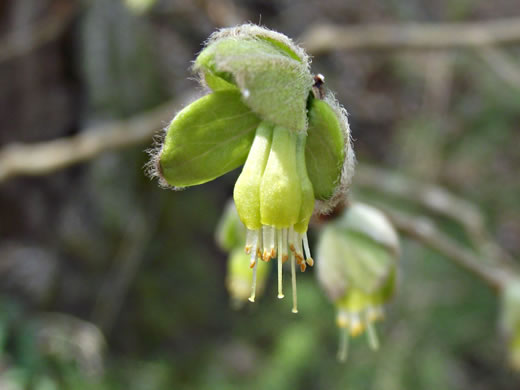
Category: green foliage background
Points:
column 173, row 327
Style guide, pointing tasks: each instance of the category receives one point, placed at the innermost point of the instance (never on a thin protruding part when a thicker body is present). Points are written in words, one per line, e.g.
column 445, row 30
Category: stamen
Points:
column 342, row 319
column 298, row 249
column 251, row 239
column 259, row 244
column 356, row 326
column 253, row 285
column 375, row 313
column 309, row 259
column 269, row 233
column 294, row 292
column 252, row 242
column 290, row 239
column 343, row 344
column 285, row 252
column 280, row 285
column 256, row 241
column 265, row 236
column 373, row 340
column 272, row 243
column 279, row 235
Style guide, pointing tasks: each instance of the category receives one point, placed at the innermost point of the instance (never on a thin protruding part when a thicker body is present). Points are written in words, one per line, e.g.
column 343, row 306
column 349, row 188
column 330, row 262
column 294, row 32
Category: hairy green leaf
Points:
column 324, row 151
column 273, row 83
column 207, row 139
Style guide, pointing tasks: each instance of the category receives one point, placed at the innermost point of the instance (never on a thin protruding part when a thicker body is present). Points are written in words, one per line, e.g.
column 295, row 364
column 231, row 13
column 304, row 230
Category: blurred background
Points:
column 109, row 282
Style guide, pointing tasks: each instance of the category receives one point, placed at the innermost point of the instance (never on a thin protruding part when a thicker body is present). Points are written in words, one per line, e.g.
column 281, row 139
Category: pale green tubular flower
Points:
column 262, row 112
column 510, row 320
column 357, row 258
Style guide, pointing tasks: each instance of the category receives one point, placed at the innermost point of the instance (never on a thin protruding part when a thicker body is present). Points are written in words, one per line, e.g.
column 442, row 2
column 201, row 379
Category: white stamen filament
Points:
column 253, row 284
column 254, row 239
column 356, row 326
column 343, row 344
column 269, row 233
column 375, row 313
column 342, row 319
column 298, row 252
column 290, row 239
column 251, row 239
column 259, row 244
column 373, row 341
column 252, row 245
column 280, row 284
column 293, row 278
column 285, row 244
column 285, row 252
column 309, row 259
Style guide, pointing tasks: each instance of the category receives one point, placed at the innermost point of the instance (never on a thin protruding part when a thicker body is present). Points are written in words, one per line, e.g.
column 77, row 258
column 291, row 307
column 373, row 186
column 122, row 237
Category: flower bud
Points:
column 271, row 72
column 357, row 258
column 510, row 321
column 240, row 278
column 230, row 232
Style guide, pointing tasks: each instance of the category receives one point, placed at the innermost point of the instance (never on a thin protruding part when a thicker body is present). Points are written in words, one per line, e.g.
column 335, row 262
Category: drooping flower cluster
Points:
column 268, row 112
column 357, row 258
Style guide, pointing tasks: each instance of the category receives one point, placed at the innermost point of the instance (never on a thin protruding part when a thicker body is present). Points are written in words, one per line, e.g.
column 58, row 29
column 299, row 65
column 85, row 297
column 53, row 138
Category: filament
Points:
column 251, row 239
column 309, row 259
column 280, row 285
column 253, row 284
column 373, row 340
column 343, row 344
column 285, row 253
column 293, row 278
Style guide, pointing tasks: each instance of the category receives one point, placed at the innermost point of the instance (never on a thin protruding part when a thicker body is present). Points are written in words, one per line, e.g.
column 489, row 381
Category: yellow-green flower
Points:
column 263, row 111
column 357, row 258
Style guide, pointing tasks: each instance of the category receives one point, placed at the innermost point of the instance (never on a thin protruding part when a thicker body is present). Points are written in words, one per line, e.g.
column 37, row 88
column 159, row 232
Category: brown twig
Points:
column 45, row 157
column 323, row 38
column 431, row 197
column 437, row 200
column 503, row 65
column 425, row 232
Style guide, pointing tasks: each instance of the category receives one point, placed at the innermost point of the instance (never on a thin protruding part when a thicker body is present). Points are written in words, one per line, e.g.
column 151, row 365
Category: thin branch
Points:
column 503, row 65
column 323, row 38
column 437, row 200
column 425, row 232
column 45, row 157
column 431, row 197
